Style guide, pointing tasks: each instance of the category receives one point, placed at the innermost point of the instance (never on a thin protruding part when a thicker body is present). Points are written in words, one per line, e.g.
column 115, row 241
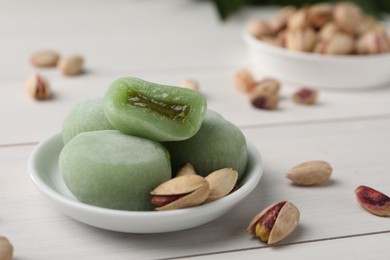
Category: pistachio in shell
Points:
column 221, row 183
column 275, row 222
column 180, row 192
column 187, row 169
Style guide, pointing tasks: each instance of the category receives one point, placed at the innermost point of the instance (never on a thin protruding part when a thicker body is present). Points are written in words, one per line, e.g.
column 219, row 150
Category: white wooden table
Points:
column 165, row 42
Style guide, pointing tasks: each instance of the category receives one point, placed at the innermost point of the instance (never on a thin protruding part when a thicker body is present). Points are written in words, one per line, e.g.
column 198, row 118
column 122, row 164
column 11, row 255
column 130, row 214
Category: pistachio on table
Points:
column 263, row 99
column 6, row 249
column 38, row 87
column 190, row 84
column 72, row 65
column 244, row 80
column 44, row 58
column 306, row 96
column 275, row 222
column 373, row 201
column 310, row 173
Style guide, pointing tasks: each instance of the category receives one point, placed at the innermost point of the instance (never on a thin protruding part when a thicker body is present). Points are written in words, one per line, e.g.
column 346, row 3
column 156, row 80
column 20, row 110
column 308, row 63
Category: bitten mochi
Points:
column 112, row 170
column 218, row 144
column 157, row 112
column 85, row 116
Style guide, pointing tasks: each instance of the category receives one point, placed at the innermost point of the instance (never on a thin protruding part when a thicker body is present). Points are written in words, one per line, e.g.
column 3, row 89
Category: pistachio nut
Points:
column 187, row 169
column 190, row 84
column 258, row 28
column 327, row 31
column 340, row 44
column 181, row 192
column 44, row 58
column 268, row 85
column 301, row 40
column 221, row 183
column 310, row 173
column 6, row 249
column 298, row 20
column 38, row 87
column 263, row 99
column 348, row 16
column 279, row 20
column 320, row 14
column 373, row 42
column 275, row 222
column 72, row 65
column 243, row 79
column 373, row 201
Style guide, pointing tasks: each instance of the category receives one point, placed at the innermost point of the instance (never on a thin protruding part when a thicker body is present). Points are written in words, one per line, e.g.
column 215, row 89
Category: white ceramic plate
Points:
column 43, row 169
column 318, row 70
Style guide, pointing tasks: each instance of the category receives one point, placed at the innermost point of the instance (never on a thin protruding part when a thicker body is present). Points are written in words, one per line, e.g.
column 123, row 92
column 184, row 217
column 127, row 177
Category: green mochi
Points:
column 218, row 144
column 112, row 170
column 85, row 116
column 157, row 112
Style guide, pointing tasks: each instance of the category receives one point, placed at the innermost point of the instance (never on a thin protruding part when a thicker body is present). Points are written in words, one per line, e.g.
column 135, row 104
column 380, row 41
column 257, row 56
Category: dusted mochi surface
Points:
column 218, row 144
column 154, row 111
column 85, row 116
column 112, row 170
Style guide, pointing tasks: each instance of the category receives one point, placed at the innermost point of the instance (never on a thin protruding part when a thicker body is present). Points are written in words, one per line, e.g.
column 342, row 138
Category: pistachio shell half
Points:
column 221, row 183
column 193, row 191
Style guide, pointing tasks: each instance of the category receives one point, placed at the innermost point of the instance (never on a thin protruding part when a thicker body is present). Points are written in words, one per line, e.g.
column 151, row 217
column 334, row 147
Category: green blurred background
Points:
column 227, row 8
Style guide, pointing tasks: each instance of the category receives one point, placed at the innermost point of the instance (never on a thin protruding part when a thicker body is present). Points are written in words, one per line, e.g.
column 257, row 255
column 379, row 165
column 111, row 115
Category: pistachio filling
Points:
column 174, row 111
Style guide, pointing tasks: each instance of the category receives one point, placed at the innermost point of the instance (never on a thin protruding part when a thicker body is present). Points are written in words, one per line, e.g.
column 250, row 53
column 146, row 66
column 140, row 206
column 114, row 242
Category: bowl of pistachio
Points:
column 325, row 45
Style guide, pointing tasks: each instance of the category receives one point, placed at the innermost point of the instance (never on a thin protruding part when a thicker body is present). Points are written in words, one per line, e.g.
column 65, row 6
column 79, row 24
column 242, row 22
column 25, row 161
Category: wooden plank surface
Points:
column 358, row 151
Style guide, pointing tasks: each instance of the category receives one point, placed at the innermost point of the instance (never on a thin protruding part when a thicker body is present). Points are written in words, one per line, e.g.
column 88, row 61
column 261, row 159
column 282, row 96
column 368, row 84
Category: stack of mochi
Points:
column 119, row 148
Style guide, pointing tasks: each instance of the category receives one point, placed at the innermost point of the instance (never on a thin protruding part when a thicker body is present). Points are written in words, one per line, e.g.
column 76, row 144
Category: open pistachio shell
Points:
column 285, row 218
column 221, row 183
column 195, row 189
column 187, row 169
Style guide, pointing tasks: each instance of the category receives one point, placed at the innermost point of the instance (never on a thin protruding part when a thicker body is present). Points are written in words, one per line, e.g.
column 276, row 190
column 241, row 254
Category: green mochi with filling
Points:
column 85, row 116
column 218, row 144
column 112, row 170
column 154, row 111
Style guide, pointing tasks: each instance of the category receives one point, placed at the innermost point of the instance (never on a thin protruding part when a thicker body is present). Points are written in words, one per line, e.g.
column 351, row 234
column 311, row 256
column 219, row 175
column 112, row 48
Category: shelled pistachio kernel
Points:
column 38, row 87
column 181, row 192
column 221, row 183
column 72, row 65
column 305, row 96
column 244, row 80
column 310, row 173
column 6, row 249
column 373, row 201
column 44, row 58
column 190, row 84
column 275, row 222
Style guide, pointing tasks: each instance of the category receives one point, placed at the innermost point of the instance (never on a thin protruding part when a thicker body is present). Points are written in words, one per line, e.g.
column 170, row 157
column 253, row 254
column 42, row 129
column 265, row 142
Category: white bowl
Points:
column 43, row 169
column 318, row 70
